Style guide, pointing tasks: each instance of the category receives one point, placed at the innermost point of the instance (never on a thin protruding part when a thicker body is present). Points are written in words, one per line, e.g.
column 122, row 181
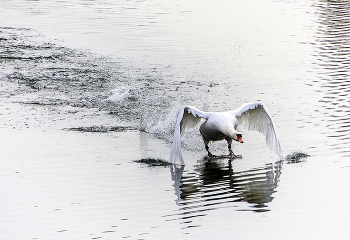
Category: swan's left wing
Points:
column 255, row 116
column 187, row 117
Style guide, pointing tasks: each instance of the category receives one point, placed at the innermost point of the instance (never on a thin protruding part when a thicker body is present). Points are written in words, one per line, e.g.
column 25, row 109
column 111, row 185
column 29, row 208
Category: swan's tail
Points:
column 176, row 146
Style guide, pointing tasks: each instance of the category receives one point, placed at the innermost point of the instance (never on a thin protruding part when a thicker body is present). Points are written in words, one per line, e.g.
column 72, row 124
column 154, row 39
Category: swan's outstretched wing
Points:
column 255, row 116
column 187, row 117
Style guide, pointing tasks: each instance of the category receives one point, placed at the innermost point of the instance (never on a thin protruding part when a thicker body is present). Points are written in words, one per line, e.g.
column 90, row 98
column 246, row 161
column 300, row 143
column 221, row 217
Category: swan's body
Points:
column 222, row 126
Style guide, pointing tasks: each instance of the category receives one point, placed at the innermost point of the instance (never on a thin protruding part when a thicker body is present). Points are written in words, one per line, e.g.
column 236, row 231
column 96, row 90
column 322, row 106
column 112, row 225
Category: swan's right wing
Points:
column 187, row 117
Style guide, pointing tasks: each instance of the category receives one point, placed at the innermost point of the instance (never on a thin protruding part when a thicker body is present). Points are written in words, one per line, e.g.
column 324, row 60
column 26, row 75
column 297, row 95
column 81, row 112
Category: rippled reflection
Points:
column 333, row 59
column 216, row 184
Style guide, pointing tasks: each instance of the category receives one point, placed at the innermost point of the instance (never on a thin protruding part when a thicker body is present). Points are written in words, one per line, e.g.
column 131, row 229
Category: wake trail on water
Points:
column 74, row 90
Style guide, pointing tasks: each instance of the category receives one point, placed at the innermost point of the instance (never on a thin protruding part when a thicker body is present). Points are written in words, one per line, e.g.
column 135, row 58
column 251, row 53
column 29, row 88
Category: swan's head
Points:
column 237, row 136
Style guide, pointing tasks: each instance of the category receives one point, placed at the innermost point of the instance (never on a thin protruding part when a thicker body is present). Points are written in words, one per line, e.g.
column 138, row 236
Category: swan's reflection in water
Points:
column 215, row 184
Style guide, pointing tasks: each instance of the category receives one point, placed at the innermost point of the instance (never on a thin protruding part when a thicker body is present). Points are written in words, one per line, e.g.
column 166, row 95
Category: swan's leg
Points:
column 231, row 154
column 229, row 141
column 207, row 148
column 230, row 149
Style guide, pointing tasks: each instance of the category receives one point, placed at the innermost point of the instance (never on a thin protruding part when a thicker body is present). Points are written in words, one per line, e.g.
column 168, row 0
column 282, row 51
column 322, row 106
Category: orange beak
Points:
column 240, row 139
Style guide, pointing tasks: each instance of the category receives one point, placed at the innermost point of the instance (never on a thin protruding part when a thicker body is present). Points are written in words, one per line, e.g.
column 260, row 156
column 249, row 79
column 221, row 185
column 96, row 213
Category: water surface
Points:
column 89, row 92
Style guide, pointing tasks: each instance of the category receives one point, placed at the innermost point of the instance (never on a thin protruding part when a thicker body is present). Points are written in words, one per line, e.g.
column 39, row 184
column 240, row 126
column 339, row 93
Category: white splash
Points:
column 119, row 95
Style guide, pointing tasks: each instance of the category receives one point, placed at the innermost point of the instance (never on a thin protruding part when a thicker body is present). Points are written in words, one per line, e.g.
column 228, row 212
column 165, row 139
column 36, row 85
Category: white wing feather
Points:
column 256, row 117
column 187, row 117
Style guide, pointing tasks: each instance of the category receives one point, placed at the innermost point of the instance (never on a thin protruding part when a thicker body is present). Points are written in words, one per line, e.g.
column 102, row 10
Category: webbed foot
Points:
column 211, row 155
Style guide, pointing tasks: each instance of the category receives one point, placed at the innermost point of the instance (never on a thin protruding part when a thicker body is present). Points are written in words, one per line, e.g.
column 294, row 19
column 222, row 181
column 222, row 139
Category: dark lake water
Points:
column 89, row 91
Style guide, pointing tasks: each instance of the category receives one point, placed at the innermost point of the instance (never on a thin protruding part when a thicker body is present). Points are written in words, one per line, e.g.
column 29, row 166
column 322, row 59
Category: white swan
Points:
column 222, row 125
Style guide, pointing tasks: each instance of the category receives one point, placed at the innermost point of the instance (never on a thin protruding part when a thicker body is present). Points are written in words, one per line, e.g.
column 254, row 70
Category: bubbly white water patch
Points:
column 163, row 127
column 118, row 95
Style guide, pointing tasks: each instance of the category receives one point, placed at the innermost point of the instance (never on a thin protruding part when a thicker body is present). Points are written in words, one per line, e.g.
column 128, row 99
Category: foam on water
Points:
column 122, row 94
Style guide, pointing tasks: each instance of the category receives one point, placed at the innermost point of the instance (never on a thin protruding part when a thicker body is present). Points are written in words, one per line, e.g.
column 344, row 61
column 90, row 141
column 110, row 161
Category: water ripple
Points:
column 333, row 54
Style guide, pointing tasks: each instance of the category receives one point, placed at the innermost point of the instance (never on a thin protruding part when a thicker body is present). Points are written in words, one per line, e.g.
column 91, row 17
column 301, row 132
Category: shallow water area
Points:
column 89, row 93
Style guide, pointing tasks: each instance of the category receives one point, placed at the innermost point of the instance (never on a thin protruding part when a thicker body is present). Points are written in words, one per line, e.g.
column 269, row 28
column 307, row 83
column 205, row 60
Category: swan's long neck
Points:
column 231, row 131
column 231, row 128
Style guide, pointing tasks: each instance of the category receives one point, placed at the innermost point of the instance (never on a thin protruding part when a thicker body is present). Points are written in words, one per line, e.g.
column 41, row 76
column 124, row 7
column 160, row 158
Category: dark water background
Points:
column 89, row 91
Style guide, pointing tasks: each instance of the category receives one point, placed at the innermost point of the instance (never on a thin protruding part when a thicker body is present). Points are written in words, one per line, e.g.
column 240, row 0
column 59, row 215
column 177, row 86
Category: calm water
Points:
column 89, row 91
